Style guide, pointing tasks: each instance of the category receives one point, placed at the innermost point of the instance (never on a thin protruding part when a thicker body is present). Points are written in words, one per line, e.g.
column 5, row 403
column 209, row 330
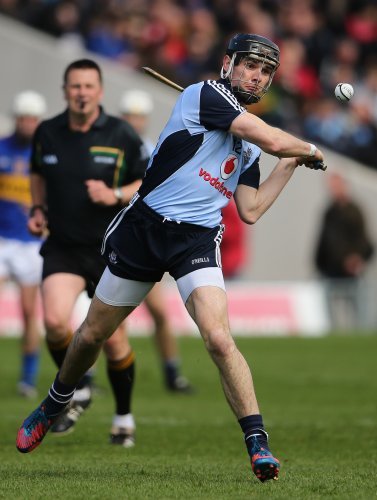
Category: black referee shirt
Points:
column 110, row 151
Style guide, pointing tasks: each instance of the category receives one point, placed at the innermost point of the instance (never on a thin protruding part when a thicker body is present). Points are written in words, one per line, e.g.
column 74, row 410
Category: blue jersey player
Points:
column 19, row 250
column 207, row 154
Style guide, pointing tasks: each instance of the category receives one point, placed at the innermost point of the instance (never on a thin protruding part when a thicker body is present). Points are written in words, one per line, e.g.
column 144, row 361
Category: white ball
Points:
column 343, row 91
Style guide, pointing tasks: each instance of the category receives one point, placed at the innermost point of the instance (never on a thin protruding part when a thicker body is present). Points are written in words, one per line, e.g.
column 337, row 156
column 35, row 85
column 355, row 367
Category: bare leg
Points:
column 59, row 294
column 102, row 320
column 207, row 305
column 165, row 340
column 31, row 337
column 30, row 342
column 117, row 346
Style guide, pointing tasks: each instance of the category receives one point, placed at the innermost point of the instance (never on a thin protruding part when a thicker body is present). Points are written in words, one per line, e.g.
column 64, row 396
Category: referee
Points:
column 85, row 165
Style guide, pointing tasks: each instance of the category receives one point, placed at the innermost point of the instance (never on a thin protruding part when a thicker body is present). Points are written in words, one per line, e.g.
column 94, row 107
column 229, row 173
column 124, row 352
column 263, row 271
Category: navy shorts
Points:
column 83, row 261
column 144, row 245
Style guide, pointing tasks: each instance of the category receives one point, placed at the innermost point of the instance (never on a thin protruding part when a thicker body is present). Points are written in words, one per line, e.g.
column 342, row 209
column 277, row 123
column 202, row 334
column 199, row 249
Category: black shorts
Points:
column 86, row 262
column 143, row 245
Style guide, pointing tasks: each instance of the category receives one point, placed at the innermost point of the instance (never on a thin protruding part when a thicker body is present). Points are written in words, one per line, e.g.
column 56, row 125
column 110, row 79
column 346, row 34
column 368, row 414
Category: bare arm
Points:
column 104, row 195
column 129, row 190
column 37, row 222
column 271, row 140
column 253, row 203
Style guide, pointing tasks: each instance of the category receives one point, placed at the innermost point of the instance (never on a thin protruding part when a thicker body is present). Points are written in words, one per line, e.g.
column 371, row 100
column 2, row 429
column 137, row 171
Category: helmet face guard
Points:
column 244, row 47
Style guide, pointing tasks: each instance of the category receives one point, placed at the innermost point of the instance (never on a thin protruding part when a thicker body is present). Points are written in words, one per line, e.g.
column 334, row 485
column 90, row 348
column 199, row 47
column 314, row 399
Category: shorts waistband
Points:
column 174, row 224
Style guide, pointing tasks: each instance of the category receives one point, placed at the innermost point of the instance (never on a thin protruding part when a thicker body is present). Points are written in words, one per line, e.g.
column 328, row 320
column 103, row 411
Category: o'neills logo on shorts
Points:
column 214, row 182
column 200, row 260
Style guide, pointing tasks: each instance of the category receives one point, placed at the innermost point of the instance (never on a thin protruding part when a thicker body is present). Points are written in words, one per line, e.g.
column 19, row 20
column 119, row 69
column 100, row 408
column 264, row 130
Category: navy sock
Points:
column 171, row 369
column 252, row 425
column 58, row 397
column 122, row 375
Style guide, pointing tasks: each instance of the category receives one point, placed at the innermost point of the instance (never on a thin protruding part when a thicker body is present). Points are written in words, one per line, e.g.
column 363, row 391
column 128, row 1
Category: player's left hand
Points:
column 100, row 193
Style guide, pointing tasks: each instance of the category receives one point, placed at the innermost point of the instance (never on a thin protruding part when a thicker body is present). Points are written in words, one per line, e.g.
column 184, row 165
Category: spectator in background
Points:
column 327, row 123
column 19, row 250
column 366, row 91
column 342, row 253
column 297, row 76
column 344, row 127
column 340, row 64
column 204, row 50
column 322, row 43
column 167, row 34
column 135, row 107
column 61, row 19
column 361, row 24
column 107, row 36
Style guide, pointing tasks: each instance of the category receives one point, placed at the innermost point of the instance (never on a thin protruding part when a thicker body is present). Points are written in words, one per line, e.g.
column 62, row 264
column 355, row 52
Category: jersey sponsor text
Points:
column 214, row 182
column 50, row 159
column 109, row 160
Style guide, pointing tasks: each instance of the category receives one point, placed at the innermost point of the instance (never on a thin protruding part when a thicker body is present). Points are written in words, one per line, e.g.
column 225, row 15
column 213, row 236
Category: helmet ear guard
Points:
column 255, row 47
column 225, row 74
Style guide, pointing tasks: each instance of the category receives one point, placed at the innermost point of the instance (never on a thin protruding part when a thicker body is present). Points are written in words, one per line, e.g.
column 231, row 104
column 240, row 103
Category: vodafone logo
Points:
column 229, row 166
column 215, row 183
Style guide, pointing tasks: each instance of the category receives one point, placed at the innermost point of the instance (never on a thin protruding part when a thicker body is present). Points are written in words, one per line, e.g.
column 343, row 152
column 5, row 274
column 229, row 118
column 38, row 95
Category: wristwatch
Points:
column 118, row 193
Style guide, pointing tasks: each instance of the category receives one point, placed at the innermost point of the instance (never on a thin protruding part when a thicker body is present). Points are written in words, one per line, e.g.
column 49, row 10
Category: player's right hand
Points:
column 309, row 160
column 318, row 156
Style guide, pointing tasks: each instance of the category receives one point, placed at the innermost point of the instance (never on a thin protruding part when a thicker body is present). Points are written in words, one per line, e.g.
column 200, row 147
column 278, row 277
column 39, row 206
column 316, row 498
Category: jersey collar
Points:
column 226, row 84
column 101, row 120
column 98, row 124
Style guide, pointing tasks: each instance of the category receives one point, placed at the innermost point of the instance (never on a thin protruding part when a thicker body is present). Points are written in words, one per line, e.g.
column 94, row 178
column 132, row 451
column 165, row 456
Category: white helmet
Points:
column 29, row 103
column 136, row 102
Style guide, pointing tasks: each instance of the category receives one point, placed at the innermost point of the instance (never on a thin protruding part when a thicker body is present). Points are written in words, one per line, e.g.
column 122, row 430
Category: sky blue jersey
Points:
column 197, row 164
column 15, row 197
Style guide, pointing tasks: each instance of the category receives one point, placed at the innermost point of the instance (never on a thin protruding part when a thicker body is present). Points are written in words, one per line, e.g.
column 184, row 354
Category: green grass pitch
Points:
column 318, row 398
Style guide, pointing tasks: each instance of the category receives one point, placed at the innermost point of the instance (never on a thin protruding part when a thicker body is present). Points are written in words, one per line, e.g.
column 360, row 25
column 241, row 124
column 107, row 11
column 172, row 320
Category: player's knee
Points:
column 94, row 334
column 219, row 343
column 56, row 328
column 90, row 336
column 118, row 341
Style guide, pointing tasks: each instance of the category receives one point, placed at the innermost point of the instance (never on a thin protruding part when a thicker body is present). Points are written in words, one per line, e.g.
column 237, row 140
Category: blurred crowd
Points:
column 322, row 42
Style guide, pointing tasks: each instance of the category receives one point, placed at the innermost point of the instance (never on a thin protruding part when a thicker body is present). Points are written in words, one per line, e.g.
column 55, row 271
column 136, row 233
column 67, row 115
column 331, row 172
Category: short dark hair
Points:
column 82, row 64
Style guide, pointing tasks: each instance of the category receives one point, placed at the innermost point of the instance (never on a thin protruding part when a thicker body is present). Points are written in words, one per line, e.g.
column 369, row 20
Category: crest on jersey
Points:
column 229, row 166
column 247, row 155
